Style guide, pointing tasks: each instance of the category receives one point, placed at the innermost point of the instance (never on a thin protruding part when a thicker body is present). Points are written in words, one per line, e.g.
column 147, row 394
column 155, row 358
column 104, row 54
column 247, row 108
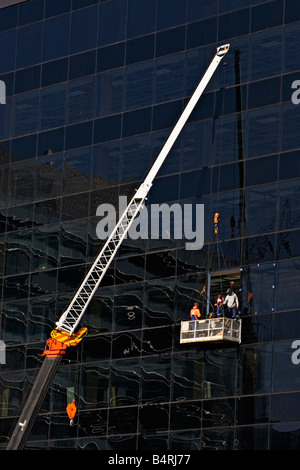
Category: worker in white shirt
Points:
column 232, row 303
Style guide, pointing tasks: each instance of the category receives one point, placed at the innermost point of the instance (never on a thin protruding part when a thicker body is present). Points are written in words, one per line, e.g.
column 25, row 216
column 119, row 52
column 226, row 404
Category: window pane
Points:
column 7, row 51
column 109, row 92
column 26, row 113
column 289, row 205
column 112, row 24
column 290, row 120
column 29, row 46
column 171, row 13
column 264, row 62
column 52, row 109
column 56, row 37
column 263, row 137
column 139, row 83
column 80, row 100
column 76, row 170
column 261, row 209
column 135, row 157
column 49, row 176
column 141, row 17
column 291, row 48
column 169, row 76
column 84, row 29
column 106, row 165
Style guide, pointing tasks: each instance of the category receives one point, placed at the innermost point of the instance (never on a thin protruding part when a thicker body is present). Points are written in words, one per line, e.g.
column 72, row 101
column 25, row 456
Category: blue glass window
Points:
column 201, row 9
column 197, row 62
column 141, row 17
column 24, row 147
column 56, row 7
column 84, row 30
column 108, row 128
column 27, row 79
column 261, row 209
column 53, row 106
column 172, row 162
column 234, row 24
column 80, row 100
column 289, row 205
column 54, row 72
column 106, row 164
column 6, row 118
column 201, row 33
column 170, row 41
column 197, row 145
column 30, row 12
column 267, row 15
column 76, row 171
column 169, row 77
column 49, row 176
column 109, row 92
column 8, row 18
column 82, row 64
column 111, row 57
column 7, row 51
column 112, row 23
column 26, row 113
column 229, row 5
column 137, row 122
column 226, row 144
column 263, row 131
column 135, row 157
column 51, row 141
column 291, row 48
column 171, row 13
column 140, row 49
column 265, row 57
column 79, row 135
column 138, row 87
column 56, row 37
column 290, row 126
column 29, row 45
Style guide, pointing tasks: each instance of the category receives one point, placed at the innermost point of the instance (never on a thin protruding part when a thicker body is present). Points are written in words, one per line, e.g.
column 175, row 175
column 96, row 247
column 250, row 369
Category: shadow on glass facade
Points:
column 93, row 89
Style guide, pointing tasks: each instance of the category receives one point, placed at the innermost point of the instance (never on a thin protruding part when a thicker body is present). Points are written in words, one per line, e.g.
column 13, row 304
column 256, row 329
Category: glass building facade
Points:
column 92, row 90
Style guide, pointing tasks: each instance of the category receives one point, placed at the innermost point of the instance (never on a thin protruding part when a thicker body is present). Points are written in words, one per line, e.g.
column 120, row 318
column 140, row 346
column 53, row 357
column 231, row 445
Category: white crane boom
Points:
column 73, row 314
column 64, row 336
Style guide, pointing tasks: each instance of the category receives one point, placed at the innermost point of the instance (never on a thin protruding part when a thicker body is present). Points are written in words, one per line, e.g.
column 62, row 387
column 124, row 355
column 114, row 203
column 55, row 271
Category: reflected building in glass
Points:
column 93, row 89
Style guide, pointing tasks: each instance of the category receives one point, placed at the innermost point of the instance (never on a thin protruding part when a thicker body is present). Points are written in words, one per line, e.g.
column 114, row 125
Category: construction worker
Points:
column 232, row 303
column 219, row 304
column 195, row 312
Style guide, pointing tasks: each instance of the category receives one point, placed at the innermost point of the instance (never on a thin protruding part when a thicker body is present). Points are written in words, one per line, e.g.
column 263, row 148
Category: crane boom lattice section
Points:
column 71, row 317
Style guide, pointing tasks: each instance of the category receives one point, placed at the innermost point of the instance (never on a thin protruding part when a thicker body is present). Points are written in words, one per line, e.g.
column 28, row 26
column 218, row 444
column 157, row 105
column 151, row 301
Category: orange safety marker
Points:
column 71, row 411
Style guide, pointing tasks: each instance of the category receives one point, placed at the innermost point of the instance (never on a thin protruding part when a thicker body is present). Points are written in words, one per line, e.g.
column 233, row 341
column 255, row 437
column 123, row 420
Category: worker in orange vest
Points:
column 195, row 312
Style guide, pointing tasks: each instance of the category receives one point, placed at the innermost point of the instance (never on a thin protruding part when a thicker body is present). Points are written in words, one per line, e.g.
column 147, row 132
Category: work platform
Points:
column 212, row 329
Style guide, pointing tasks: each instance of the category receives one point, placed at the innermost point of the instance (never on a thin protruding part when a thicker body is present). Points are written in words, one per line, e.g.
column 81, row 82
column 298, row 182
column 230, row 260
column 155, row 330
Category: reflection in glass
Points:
column 264, row 62
column 49, row 176
column 155, row 380
column 124, row 383
column 76, row 170
column 26, row 113
column 109, row 92
column 94, row 386
column 169, row 76
column 138, row 85
column 80, row 100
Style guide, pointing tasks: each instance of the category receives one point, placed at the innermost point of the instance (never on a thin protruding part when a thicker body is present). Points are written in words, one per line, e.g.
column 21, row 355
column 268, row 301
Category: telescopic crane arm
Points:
column 64, row 334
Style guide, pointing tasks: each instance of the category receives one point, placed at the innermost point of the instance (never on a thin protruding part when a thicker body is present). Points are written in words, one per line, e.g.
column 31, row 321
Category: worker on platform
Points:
column 195, row 312
column 219, row 305
column 232, row 303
